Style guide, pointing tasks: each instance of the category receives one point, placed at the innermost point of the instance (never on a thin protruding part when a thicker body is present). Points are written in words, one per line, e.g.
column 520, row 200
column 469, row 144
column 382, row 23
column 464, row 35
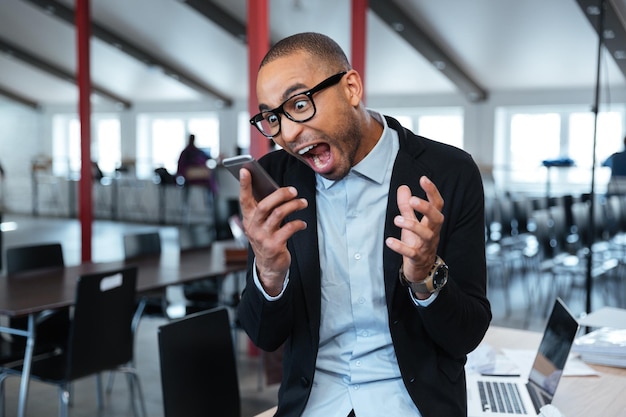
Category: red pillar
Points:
column 359, row 30
column 258, row 45
column 83, row 33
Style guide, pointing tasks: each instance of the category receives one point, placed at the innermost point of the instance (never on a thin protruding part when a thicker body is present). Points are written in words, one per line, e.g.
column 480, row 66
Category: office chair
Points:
column 137, row 246
column 100, row 338
column 153, row 303
column 51, row 326
column 201, row 294
column 198, row 367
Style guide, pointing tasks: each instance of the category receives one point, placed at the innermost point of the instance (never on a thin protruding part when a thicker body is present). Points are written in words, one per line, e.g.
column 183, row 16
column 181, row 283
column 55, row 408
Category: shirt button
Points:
column 357, row 256
column 358, row 363
column 355, row 387
column 361, row 300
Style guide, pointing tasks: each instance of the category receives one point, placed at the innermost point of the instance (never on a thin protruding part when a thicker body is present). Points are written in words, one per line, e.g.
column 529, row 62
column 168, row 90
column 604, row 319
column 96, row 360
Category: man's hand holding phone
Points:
column 264, row 227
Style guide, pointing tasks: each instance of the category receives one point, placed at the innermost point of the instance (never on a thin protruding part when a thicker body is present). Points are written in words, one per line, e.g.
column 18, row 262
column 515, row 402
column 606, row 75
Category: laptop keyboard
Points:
column 501, row 397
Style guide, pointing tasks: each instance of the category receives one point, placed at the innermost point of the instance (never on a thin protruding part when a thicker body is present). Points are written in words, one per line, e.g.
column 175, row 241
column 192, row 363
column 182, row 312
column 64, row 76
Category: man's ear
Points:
column 354, row 86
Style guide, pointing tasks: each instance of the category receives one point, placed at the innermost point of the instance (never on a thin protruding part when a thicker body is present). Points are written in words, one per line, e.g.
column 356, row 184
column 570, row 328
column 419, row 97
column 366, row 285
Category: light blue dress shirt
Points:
column 356, row 364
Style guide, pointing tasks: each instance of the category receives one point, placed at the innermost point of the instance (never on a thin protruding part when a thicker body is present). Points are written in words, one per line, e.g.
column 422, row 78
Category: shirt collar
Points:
column 374, row 165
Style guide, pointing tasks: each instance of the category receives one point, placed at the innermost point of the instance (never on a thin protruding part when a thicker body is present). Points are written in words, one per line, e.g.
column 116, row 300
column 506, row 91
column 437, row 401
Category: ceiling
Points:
column 167, row 51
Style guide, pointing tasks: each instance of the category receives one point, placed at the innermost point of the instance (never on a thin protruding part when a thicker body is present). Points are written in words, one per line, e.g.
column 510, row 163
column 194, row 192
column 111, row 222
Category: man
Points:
column 617, row 163
column 347, row 263
column 192, row 165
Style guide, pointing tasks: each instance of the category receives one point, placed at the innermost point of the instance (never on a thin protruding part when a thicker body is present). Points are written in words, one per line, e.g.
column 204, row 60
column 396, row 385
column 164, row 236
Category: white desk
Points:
column 588, row 396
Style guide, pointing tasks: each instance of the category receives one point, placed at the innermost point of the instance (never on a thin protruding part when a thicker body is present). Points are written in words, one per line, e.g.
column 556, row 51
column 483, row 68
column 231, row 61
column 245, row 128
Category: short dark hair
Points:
column 315, row 44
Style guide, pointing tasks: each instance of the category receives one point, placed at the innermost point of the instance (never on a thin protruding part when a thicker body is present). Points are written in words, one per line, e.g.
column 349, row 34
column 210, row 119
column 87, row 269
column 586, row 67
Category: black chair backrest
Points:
column 137, row 245
column 198, row 368
column 101, row 335
column 53, row 330
column 25, row 258
column 195, row 236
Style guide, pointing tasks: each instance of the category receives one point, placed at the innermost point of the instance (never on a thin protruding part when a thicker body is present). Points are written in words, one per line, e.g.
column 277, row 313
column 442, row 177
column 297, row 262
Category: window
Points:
column 442, row 128
column 243, row 131
column 161, row 138
column 530, row 136
column 534, row 138
column 440, row 124
column 66, row 149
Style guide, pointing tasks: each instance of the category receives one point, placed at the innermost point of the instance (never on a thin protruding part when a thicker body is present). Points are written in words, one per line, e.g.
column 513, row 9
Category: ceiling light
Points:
column 398, row 27
column 609, row 34
column 440, row 65
column 474, row 96
column 621, row 54
column 593, row 10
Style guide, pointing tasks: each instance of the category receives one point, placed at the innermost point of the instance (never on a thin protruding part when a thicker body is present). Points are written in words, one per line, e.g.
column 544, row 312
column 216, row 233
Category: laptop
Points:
column 499, row 396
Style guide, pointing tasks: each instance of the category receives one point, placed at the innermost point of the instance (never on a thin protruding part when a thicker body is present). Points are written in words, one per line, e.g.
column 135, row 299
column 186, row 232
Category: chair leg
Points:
column 110, row 383
column 99, row 399
column 70, row 390
column 141, row 306
column 64, row 400
column 2, row 395
column 134, row 386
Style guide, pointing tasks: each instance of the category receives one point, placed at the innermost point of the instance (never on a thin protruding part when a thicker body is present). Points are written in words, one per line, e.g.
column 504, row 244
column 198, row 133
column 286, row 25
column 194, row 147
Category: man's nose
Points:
column 289, row 130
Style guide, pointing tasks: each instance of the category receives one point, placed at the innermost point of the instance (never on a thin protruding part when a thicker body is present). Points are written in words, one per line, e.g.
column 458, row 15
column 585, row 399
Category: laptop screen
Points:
column 554, row 349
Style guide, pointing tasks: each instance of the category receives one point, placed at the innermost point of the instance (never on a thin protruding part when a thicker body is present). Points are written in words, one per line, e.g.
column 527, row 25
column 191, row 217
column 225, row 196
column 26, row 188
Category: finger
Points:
column 274, row 209
column 404, row 202
column 432, row 192
column 246, row 200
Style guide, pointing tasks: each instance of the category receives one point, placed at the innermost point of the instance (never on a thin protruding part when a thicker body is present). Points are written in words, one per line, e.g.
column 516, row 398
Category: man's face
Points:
column 329, row 141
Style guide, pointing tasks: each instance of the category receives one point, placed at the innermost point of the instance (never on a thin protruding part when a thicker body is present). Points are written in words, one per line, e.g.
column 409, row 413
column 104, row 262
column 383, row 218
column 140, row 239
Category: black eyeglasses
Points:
column 299, row 108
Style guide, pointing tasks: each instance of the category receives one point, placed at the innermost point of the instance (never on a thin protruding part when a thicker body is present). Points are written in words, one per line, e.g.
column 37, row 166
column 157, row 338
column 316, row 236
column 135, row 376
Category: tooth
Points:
column 305, row 150
column 317, row 162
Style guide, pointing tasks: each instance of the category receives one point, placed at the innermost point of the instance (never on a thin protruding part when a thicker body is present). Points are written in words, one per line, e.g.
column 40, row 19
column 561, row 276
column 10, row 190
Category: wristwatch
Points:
column 436, row 279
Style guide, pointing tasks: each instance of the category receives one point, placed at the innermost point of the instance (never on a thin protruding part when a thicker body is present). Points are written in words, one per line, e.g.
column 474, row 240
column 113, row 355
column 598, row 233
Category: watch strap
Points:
column 426, row 285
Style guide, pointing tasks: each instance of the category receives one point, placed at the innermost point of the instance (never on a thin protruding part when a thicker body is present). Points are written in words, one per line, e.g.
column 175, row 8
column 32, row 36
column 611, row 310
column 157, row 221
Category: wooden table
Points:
column 584, row 396
column 31, row 293
column 576, row 396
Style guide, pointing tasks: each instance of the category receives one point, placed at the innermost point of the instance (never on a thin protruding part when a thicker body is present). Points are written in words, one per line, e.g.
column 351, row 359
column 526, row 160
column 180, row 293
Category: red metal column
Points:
column 258, row 45
column 359, row 30
column 85, row 210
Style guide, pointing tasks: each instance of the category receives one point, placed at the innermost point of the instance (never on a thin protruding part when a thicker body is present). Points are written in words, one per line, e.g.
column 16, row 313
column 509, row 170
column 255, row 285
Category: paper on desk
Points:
column 487, row 360
column 605, row 317
column 524, row 360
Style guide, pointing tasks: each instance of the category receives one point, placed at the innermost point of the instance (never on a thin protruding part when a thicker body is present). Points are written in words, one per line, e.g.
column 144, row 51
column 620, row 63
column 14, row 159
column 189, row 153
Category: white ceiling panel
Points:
column 503, row 45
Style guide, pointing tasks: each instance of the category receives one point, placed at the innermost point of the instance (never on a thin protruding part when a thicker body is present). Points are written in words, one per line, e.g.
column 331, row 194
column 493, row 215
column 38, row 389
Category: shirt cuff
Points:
column 257, row 282
column 423, row 303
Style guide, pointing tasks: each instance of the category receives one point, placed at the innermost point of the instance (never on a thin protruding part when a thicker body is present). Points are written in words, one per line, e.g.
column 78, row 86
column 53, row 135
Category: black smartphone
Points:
column 262, row 184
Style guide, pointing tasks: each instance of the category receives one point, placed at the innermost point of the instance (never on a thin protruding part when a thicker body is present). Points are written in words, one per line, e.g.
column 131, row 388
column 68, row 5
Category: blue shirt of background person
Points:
column 617, row 163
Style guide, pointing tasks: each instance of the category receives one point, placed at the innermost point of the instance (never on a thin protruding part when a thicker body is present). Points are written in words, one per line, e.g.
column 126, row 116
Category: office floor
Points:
column 255, row 395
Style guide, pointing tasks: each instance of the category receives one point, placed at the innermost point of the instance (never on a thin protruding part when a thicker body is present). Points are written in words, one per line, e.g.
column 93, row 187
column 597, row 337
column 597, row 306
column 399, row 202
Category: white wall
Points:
column 21, row 139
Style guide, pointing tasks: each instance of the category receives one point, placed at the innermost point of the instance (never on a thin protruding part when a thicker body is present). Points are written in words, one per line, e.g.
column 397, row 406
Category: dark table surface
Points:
column 35, row 291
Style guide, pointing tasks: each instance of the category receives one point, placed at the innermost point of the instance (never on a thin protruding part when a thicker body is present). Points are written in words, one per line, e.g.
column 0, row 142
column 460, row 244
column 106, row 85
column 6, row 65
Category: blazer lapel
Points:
column 407, row 170
column 305, row 244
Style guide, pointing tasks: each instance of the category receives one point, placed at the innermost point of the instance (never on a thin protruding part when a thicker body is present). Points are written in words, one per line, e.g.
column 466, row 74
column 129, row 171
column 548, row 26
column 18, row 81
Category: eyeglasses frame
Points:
column 328, row 82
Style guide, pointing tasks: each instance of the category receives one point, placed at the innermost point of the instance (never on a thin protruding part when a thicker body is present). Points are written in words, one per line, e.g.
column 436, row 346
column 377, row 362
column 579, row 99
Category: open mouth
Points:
column 318, row 156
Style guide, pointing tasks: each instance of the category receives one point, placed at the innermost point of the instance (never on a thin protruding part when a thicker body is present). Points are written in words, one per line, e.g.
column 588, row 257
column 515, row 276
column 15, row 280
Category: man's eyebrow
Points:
column 290, row 92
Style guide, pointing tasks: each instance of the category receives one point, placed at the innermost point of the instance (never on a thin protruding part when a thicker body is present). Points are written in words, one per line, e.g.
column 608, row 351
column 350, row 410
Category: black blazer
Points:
column 431, row 343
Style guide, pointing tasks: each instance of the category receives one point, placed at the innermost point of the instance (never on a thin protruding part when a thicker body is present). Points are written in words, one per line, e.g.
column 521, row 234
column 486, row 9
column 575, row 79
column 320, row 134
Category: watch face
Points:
column 440, row 277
